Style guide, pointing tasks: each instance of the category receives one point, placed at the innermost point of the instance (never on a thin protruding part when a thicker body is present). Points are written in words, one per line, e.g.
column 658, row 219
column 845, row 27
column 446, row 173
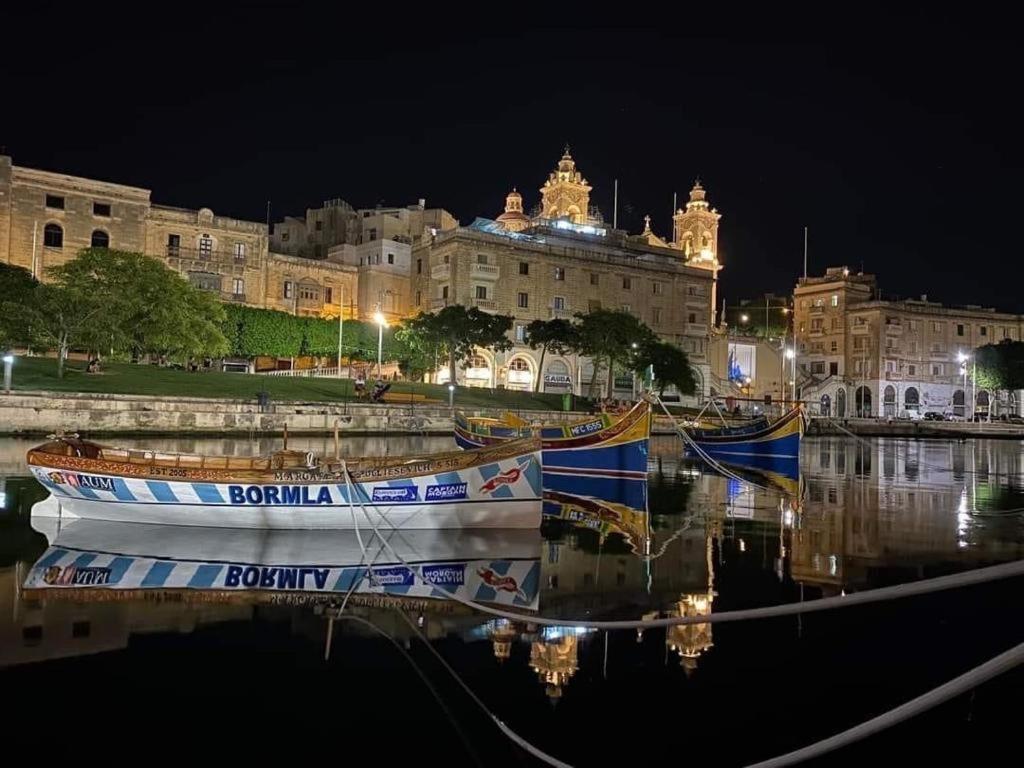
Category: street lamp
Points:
column 791, row 356
column 382, row 323
column 744, row 319
column 451, row 395
column 8, row 363
column 963, row 357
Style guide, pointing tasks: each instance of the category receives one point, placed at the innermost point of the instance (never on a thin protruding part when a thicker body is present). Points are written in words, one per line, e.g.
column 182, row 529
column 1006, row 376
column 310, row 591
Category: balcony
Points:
column 565, row 312
column 488, row 305
column 484, row 272
column 193, row 259
column 236, row 297
column 437, row 304
column 860, row 329
column 893, row 329
column 440, row 272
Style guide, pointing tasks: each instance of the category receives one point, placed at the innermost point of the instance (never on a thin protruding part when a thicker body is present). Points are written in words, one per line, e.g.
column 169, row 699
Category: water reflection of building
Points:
column 554, row 657
column 690, row 641
column 41, row 630
column 897, row 504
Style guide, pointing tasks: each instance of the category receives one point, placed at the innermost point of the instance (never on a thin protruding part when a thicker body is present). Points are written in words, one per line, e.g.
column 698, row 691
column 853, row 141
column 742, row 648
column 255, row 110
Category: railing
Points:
column 314, row 373
column 489, row 304
column 564, row 312
column 484, row 271
column 199, row 256
column 436, row 304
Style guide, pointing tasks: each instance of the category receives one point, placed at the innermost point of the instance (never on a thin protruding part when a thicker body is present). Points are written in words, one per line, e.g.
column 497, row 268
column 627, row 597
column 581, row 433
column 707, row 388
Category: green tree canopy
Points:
column 1000, row 366
column 558, row 335
column 671, row 366
column 609, row 335
column 16, row 286
column 454, row 332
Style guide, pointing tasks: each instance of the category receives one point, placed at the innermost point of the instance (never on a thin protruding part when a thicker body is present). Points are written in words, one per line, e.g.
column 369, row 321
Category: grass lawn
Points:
column 36, row 373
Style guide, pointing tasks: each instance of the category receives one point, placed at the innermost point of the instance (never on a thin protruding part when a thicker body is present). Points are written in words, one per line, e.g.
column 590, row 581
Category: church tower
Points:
column 514, row 219
column 695, row 233
column 566, row 194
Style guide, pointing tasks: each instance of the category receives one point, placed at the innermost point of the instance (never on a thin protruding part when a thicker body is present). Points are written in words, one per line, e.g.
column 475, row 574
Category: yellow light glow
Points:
column 379, row 319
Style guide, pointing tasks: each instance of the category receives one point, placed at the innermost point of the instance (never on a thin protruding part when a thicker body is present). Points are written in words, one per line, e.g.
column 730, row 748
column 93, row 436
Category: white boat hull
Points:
column 502, row 494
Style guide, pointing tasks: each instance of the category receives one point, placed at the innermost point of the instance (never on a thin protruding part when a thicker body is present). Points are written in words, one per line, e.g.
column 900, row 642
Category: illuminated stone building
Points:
column 858, row 355
column 567, row 260
column 555, row 659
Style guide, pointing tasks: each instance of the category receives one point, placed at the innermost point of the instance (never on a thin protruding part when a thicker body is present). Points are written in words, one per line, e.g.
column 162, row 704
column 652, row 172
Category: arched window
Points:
column 841, row 403
column 476, row 361
column 826, row 405
column 911, row 398
column 100, row 239
column 53, row 236
column 519, row 364
column 862, row 401
column 889, row 400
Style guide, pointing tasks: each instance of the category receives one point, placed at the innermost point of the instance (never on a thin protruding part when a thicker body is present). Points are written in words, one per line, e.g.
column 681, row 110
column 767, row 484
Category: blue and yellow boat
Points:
column 763, row 444
column 601, row 456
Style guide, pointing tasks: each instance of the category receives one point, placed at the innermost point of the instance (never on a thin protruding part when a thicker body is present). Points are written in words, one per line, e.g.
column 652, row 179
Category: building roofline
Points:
column 21, row 173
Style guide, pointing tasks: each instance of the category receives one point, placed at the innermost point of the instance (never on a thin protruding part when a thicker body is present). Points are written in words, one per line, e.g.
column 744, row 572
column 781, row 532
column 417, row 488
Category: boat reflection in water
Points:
column 97, row 560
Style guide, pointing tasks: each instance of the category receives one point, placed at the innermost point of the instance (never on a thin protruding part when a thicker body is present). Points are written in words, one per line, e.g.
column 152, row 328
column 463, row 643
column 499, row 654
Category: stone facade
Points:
column 857, row 355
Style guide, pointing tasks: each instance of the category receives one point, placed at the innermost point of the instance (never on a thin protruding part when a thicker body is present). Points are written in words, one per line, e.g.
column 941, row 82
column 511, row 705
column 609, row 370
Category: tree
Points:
column 147, row 307
column 671, row 366
column 609, row 335
column 16, row 286
column 558, row 335
column 455, row 332
column 1000, row 366
column 61, row 317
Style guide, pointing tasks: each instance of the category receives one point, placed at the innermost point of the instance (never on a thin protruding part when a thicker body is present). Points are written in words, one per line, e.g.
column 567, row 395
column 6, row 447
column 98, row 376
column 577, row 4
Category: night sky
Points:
column 899, row 149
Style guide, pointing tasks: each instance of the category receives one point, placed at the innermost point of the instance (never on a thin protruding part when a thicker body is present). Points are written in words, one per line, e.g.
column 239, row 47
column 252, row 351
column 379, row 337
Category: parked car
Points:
column 1012, row 418
column 934, row 416
column 912, row 415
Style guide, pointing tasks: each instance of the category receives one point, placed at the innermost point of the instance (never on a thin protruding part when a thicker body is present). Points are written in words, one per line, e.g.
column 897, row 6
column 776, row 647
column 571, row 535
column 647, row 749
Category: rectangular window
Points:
column 835, row 300
column 319, row 226
column 859, row 342
column 481, row 258
column 285, row 236
column 419, row 298
column 520, row 334
column 692, row 317
column 559, row 302
column 937, row 327
column 912, row 348
column 329, row 295
column 657, row 288
column 835, row 347
column 524, row 267
column 444, row 292
column 936, row 348
column 55, row 201
column 205, row 247
column 627, row 284
column 481, row 291
column 860, row 321
column 378, row 258
column 447, row 258
column 983, row 330
column 524, row 300
column 819, row 302
column 559, row 273
column 912, row 370
column 626, row 308
column 372, row 234
column 818, row 367
column 101, row 209
column 858, row 366
column 912, row 326
column 593, row 306
column 959, row 329
column 890, row 366
column 238, row 287
column 289, row 289
column 173, row 245
column 817, row 323
column 419, row 266
column 833, row 369
column 593, row 278
column 391, row 258
column 835, row 323
column 656, row 315
column 239, row 251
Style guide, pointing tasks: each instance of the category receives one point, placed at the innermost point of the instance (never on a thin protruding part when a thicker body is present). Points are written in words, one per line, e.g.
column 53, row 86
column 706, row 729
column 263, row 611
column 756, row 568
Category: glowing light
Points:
column 380, row 320
column 634, row 345
column 744, row 318
column 743, row 546
column 790, row 354
column 451, row 387
column 846, row 272
column 8, row 359
column 962, row 357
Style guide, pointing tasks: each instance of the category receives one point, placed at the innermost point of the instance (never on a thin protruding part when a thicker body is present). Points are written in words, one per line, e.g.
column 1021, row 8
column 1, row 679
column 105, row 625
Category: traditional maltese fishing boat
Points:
column 495, row 487
column 595, row 456
column 98, row 560
column 764, row 444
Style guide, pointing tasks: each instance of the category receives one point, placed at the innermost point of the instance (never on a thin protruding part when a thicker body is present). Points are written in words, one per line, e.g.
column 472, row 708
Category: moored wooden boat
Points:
column 98, row 560
column 760, row 444
column 594, row 456
column 495, row 487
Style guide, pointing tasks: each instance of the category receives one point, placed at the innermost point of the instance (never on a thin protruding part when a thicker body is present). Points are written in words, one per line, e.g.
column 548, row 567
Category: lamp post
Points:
column 382, row 323
column 8, row 365
column 791, row 356
column 341, row 324
column 451, row 395
column 962, row 358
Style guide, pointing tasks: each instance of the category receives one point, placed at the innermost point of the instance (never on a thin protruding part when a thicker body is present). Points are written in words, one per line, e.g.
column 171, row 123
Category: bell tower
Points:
column 566, row 194
column 695, row 233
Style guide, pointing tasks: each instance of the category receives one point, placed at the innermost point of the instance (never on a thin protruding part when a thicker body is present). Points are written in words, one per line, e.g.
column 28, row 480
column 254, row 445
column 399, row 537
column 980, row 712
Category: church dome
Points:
column 514, row 219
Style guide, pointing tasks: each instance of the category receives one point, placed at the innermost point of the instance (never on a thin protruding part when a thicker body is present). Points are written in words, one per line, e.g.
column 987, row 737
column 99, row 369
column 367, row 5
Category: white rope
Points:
column 958, row 685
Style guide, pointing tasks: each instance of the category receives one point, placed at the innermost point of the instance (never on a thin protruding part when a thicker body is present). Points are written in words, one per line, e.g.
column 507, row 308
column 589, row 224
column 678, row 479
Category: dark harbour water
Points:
column 196, row 680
